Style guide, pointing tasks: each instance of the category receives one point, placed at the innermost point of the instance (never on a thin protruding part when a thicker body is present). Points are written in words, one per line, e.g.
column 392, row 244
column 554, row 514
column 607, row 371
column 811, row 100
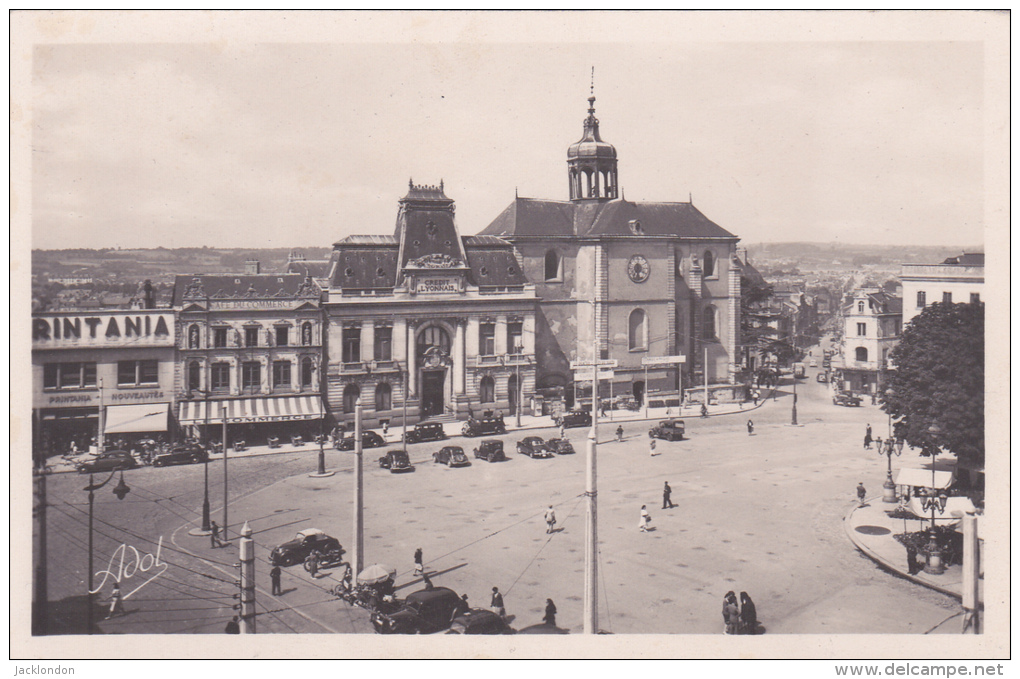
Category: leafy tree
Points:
column 755, row 332
column 940, row 379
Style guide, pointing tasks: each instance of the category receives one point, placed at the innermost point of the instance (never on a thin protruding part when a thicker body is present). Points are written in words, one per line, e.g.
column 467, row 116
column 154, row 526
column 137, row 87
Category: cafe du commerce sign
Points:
column 104, row 329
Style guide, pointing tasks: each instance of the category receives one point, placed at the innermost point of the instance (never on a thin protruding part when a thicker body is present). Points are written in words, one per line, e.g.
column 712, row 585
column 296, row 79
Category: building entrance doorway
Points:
column 433, row 384
column 638, row 390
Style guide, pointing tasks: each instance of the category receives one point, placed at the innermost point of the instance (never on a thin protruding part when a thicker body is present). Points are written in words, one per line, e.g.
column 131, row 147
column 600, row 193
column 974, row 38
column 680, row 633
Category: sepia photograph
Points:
column 667, row 327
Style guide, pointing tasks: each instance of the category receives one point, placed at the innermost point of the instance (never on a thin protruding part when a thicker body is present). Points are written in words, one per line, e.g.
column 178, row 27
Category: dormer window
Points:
column 483, row 272
column 348, row 272
column 380, row 272
column 635, row 227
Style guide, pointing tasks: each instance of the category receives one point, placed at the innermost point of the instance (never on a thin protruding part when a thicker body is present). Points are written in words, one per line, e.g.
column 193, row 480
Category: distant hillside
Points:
column 843, row 254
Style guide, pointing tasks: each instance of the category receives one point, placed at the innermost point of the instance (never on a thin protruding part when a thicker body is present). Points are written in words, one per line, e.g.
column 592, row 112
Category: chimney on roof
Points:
column 252, row 267
column 147, row 298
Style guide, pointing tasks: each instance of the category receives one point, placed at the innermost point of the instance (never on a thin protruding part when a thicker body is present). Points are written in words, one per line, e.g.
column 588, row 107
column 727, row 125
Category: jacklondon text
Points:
column 38, row 669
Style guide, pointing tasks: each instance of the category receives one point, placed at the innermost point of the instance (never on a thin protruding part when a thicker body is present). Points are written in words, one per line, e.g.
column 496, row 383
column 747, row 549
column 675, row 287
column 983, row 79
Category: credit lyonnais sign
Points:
column 433, row 285
column 114, row 329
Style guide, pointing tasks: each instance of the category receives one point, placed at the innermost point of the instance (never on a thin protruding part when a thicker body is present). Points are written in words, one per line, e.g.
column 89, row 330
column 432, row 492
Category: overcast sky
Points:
column 252, row 144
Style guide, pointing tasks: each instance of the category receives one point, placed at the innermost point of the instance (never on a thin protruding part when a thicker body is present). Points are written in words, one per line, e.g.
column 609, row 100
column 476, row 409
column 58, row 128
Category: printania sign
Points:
column 113, row 329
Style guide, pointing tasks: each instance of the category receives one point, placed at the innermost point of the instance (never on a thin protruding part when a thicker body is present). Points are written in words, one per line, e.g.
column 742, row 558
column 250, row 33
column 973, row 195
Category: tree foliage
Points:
column 940, row 379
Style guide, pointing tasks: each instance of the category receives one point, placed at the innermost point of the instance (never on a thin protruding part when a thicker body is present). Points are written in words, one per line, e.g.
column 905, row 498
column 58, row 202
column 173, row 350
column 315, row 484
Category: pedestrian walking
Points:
column 233, row 627
column 911, row 559
column 667, row 492
column 619, row 434
column 312, row 564
column 867, row 437
column 497, row 603
column 419, row 567
column 704, row 410
column 116, row 600
column 550, row 613
column 731, row 614
column 274, row 577
column 385, row 428
column 428, row 581
column 651, row 448
column 861, row 494
column 645, row 520
column 750, row 428
column 550, row 520
column 754, row 398
column 214, row 535
column 748, row 615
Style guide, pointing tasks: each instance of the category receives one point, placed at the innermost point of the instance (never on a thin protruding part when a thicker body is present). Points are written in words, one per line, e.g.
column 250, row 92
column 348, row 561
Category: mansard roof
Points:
column 243, row 286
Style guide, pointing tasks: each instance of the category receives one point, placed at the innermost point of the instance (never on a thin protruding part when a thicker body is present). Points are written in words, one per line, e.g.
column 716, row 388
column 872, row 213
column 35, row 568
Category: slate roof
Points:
column 314, row 268
column 967, row 259
column 365, row 267
column 529, row 217
column 495, row 267
column 240, row 286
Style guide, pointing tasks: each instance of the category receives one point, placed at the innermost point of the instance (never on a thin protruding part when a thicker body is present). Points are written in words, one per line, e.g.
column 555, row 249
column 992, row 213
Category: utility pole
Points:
column 971, row 571
column 101, row 434
column 247, row 548
column 225, row 524
column 358, row 558
column 705, row 370
column 591, row 552
column 40, row 594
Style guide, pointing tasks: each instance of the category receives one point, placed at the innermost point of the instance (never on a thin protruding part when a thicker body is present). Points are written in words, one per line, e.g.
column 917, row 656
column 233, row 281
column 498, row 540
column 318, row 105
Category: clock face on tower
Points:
column 638, row 269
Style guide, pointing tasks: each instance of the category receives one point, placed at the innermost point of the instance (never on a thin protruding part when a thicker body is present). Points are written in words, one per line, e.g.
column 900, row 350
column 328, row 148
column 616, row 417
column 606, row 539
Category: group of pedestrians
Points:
column 739, row 619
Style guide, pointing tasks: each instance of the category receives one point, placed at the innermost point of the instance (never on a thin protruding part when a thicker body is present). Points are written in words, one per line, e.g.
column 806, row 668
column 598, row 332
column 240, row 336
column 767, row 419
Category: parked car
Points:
column 484, row 425
column 490, row 450
column 846, row 399
column 813, row 363
column 479, row 621
column 451, row 456
column 821, row 377
column 422, row 612
column 560, row 446
column 426, row 431
column 668, row 430
column 369, row 439
column 108, row 462
column 297, row 550
column 533, row 446
column 799, row 370
column 574, row 418
column 396, row 461
column 187, row 453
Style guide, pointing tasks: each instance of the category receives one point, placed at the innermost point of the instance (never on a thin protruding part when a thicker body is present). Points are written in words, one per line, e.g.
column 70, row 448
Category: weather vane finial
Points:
column 593, row 81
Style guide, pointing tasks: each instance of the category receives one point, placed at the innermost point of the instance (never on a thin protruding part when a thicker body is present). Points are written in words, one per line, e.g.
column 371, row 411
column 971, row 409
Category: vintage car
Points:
column 185, row 453
column 108, row 462
column 668, row 430
column 533, row 446
column 560, row 446
column 821, row 377
column 846, row 399
column 479, row 621
column 490, row 450
column 451, row 456
column 297, row 550
column 396, row 461
column 426, row 431
column 369, row 439
column 423, row 612
column 484, row 425
column 574, row 418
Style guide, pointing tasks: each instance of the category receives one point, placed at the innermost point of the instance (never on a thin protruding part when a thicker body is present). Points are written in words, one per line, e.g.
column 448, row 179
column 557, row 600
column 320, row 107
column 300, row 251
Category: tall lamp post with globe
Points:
column 892, row 446
column 932, row 501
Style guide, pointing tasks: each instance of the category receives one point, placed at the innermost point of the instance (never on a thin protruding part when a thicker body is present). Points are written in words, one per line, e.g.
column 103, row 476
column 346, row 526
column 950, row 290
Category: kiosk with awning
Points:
column 923, row 478
column 137, row 418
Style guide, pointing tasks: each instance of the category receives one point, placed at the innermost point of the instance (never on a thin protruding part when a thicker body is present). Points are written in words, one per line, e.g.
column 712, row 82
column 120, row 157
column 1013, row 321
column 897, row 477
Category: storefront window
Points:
column 281, row 374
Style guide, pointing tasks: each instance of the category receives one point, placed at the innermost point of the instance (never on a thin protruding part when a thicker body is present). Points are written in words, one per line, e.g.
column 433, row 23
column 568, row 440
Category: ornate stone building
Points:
column 662, row 278
column 426, row 319
column 249, row 350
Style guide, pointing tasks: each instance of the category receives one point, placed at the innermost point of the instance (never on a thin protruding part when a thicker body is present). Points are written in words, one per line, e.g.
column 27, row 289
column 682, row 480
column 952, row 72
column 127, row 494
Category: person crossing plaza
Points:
column 667, row 492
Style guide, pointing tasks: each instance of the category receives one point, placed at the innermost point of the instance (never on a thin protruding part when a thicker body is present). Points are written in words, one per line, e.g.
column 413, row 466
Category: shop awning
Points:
column 137, row 418
column 956, row 507
column 272, row 409
column 921, row 478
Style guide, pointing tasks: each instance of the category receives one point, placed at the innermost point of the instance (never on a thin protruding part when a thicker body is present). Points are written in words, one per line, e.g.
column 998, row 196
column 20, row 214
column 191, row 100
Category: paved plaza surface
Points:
column 762, row 514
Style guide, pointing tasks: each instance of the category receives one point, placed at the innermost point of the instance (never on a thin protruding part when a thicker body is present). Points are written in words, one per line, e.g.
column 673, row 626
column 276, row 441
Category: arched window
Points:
column 433, row 336
column 306, row 371
column 194, row 375
column 708, row 323
column 860, row 307
column 383, row 396
column 553, row 266
column 861, row 354
column 193, row 337
column 638, row 336
column 708, row 266
column 487, row 389
column 351, row 394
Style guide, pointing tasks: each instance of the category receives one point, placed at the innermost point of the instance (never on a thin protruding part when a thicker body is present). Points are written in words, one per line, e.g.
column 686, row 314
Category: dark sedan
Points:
column 396, row 461
column 188, row 453
column 560, row 446
column 479, row 621
column 574, row 418
column 533, row 446
column 451, row 456
column 297, row 550
column 369, row 439
column 108, row 462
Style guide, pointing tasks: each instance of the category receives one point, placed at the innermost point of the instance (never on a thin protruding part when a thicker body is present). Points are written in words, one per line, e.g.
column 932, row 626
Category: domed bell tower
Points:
column 591, row 162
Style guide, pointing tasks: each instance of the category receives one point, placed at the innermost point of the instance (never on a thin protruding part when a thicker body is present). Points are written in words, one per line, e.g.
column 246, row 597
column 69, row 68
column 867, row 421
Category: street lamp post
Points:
column 889, row 448
column 793, row 406
column 932, row 501
column 120, row 491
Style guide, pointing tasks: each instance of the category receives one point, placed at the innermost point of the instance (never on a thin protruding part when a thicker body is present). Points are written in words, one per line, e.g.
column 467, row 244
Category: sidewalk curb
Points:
column 847, row 527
